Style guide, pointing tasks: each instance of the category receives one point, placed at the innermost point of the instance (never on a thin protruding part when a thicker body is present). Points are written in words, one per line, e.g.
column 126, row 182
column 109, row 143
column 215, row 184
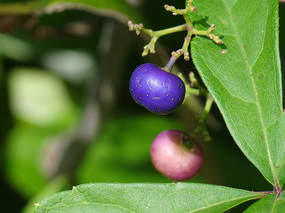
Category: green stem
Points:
column 163, row 32
column 155, row 35
column 184, row 51
column 188, row 26
column 186, row 44
column 208, row 106
column 201, row 129
column 192, row 91
column 194, row 83
column 189, row 8
column 208, row 33
column 188, row 22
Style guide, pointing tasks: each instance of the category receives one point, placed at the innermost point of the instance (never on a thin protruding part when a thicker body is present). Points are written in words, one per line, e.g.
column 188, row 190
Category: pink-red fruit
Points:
column 173, row 159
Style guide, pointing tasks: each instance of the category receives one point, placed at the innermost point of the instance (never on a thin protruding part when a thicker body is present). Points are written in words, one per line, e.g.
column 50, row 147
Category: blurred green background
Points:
column 66, row 115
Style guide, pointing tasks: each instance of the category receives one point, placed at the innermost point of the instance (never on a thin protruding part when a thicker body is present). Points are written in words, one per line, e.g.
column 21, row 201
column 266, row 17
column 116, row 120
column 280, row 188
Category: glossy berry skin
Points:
column 158, row 91
column 171, row 158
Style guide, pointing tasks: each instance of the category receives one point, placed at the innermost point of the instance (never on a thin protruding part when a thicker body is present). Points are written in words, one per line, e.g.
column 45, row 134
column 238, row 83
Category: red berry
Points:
column 173, row 159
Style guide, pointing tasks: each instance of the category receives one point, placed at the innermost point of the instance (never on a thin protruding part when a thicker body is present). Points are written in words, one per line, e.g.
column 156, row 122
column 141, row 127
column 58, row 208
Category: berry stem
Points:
column 192, row 91
column 170, row 64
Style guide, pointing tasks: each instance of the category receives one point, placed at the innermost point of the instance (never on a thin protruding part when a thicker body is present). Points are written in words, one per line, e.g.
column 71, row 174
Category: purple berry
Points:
column 158, row 91
column 173, row 159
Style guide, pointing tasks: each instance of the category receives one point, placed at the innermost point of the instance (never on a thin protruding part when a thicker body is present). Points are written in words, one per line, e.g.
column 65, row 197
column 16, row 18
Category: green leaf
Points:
column 179, row 197
column 270, row 203
column 246, row 81
column 118, row 9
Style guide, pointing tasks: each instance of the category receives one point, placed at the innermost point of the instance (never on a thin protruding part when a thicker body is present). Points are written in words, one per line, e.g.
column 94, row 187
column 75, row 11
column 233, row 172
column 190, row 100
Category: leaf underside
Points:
column 179, row 197
column 246, row 81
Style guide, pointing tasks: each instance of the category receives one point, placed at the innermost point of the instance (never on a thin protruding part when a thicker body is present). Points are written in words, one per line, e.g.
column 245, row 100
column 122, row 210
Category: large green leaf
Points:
column 270, row 203
column 246, row 81
column 180, row 197
column 118, row 9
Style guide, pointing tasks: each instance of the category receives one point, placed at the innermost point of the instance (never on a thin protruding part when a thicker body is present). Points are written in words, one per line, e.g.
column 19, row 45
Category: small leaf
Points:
column 269, row 203
column 179, row 197
column 246, row 81
column 113, row 8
